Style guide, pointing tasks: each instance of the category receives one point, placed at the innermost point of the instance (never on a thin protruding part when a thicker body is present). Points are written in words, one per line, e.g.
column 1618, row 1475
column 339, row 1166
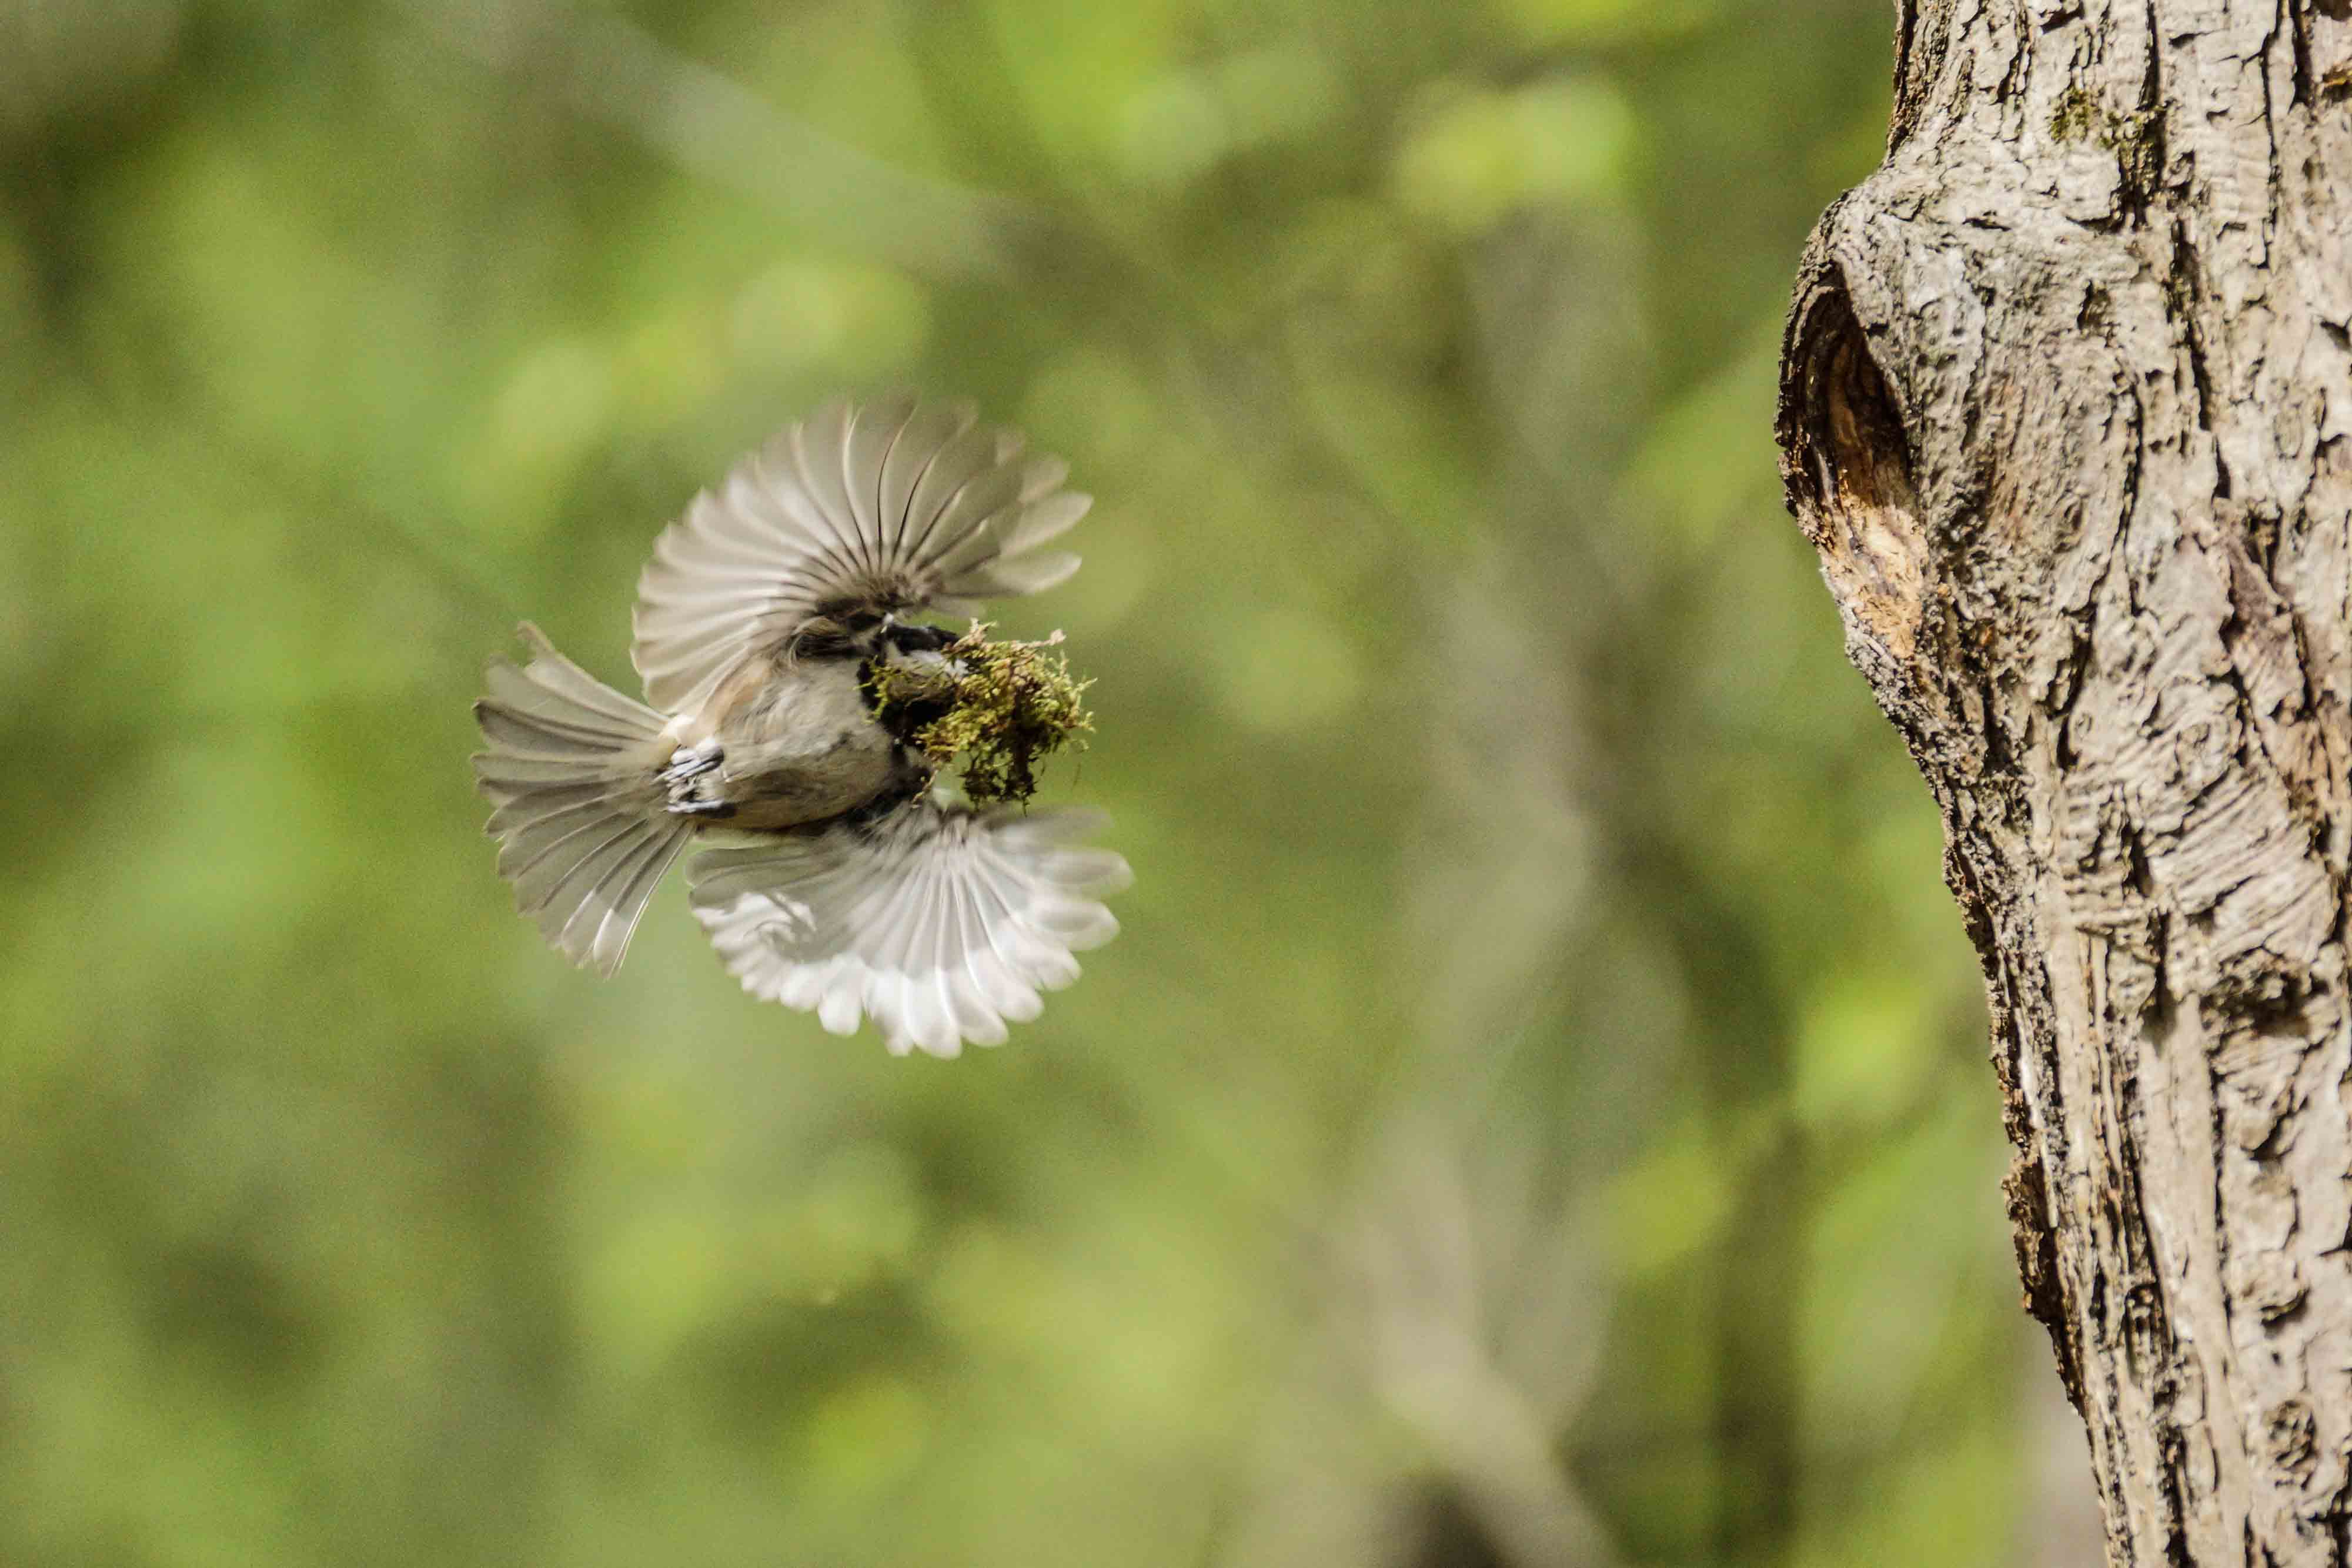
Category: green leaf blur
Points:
column 1535, row 1111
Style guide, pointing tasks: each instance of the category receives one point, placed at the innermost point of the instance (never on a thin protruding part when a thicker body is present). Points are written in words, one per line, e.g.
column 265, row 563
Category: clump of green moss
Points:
column 1000, row 707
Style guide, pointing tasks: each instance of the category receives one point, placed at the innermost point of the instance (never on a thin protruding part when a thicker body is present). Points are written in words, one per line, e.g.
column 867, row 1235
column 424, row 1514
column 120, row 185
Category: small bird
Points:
column 859, row 888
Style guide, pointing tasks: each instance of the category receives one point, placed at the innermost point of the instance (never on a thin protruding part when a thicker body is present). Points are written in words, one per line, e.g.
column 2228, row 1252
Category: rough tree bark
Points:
column 2066, row 410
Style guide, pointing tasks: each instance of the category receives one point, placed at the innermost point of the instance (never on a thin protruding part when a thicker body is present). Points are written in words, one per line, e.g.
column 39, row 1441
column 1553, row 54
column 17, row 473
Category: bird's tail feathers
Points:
column 581, row 828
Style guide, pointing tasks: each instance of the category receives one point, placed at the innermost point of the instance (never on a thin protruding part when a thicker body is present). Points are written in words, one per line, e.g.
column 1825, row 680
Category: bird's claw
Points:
column 688, row 764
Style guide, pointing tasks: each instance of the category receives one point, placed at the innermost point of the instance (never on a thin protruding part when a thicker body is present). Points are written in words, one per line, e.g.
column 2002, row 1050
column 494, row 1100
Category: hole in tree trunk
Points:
column 1848, row 470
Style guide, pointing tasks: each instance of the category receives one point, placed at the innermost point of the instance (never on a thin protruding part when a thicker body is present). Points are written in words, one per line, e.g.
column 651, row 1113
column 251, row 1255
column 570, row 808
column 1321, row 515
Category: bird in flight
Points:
column 854, row 887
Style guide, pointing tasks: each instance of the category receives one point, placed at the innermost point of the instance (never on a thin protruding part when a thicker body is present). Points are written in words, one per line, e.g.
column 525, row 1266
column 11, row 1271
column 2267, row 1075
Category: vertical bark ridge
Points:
column 2066, row 412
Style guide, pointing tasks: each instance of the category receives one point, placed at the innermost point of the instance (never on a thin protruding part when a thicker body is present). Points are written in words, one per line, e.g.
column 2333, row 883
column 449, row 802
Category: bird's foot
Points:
column 687, row 765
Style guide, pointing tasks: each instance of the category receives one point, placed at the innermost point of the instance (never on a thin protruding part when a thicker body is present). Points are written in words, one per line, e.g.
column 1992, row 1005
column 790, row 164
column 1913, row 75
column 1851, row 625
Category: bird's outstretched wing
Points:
column 939, row 922
column 891, row 506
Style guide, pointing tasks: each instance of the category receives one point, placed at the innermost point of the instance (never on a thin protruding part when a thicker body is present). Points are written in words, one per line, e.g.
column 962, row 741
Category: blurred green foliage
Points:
column 1537, row 1110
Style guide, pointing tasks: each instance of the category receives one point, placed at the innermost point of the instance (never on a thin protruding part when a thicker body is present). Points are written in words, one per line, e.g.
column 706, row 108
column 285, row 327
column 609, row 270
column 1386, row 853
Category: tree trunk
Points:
column 2065, row 403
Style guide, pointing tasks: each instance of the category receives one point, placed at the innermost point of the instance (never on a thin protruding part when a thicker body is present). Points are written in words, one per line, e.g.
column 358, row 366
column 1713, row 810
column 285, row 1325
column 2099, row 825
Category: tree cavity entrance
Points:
column 1849, row 473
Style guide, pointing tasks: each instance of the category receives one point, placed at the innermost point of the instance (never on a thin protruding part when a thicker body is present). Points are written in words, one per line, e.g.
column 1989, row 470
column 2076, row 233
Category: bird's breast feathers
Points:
column 800, row 745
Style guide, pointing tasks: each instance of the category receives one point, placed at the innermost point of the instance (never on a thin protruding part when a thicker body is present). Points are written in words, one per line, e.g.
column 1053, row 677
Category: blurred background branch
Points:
column 601, row 65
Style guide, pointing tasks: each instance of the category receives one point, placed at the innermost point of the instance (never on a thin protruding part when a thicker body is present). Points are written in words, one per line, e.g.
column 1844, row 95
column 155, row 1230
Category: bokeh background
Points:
column 1537, row 1112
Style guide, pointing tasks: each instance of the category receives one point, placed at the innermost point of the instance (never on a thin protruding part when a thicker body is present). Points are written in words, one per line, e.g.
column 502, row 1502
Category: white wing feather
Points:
column 939, row 922
column 892, row 506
